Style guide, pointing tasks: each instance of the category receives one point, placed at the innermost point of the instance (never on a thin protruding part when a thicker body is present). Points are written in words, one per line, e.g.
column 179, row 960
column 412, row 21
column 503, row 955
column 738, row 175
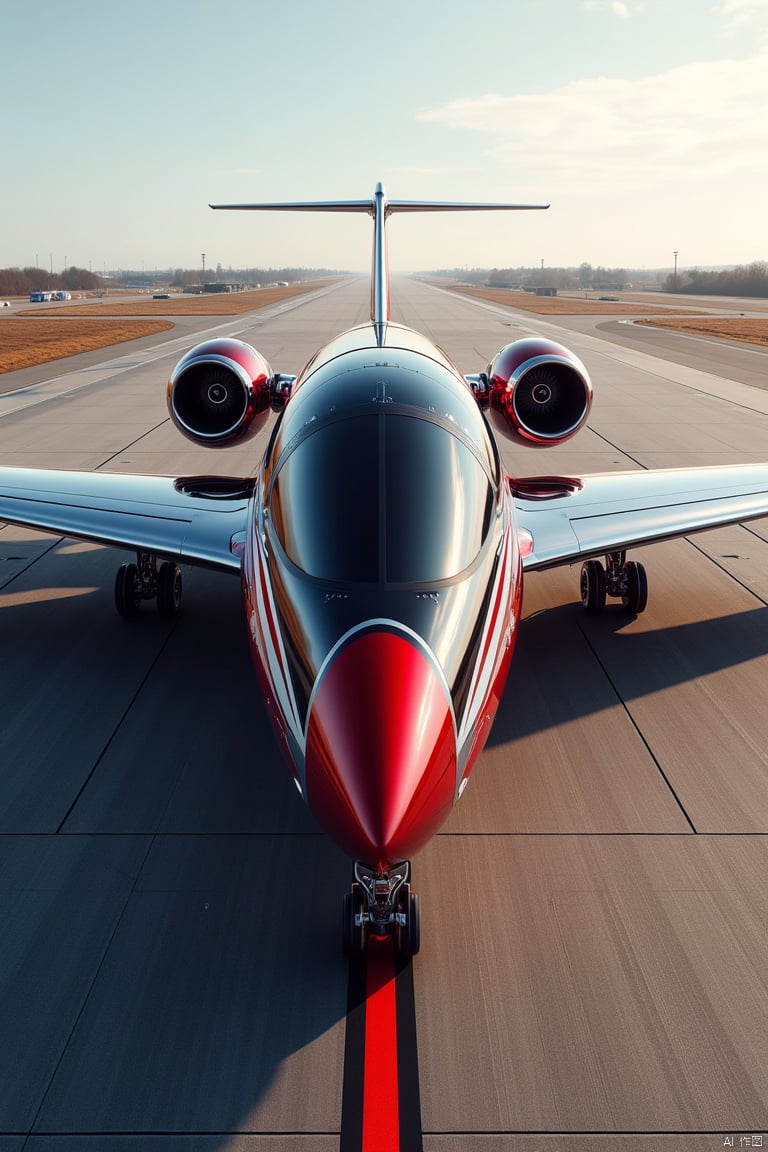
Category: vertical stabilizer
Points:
column 380, row 209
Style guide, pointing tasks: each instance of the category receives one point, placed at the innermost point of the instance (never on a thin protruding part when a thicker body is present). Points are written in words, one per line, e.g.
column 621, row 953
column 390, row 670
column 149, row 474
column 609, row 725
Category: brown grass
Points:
column 753, row 331
column 721, row 303
column 556, row 305
column 27, row 342
column 213, row 304
column 36, row 339
column 750, row 330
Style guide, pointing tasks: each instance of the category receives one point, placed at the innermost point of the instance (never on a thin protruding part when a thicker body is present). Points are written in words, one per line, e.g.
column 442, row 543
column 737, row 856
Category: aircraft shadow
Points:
column 172, row 961
column 172, row 958
column 568, row 666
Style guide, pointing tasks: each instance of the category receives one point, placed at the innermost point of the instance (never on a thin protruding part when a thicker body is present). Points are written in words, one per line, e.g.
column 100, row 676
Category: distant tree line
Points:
column 745, row 280
column 22, row 281
column 183, row 277
column 585, row 276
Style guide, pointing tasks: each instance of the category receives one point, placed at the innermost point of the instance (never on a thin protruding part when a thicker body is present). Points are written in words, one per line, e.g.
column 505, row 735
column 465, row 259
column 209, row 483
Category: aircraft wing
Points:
column 191, row 520
column 592, row 515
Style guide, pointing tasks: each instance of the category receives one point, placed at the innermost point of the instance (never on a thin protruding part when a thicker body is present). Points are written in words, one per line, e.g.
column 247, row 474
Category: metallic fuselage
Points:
column 382, row 676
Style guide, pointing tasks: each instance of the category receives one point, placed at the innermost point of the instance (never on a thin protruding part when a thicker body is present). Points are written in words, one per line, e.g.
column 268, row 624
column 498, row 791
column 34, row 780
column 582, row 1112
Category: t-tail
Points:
column 380, row 209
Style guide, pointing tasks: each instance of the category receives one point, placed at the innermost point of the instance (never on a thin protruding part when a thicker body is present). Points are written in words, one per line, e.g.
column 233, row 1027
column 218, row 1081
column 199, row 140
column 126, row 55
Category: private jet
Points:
column 381, row 549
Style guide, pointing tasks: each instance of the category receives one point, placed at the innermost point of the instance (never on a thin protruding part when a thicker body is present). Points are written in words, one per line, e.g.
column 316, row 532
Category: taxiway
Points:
column 593, row 966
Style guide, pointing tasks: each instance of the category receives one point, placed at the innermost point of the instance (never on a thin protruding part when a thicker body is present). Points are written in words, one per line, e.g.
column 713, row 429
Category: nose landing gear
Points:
column 620, row 578
column 381, row 903
column 145, row 581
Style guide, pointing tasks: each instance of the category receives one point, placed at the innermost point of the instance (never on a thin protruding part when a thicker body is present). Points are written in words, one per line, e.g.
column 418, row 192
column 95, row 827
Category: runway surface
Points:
column 595, row 913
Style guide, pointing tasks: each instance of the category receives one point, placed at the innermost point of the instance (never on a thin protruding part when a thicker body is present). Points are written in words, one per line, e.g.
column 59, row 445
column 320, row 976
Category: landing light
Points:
column 525, row 541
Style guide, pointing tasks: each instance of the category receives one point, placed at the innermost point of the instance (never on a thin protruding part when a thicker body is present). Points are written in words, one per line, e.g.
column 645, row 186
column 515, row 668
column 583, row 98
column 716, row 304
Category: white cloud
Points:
column 739, row 12
column 616, row 7
column 695, row 123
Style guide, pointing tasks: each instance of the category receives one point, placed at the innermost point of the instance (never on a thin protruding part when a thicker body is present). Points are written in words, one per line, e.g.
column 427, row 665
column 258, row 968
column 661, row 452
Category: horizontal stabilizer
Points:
column 369, row 206
column 303, row 206
column 380, row 208
column 458, row 206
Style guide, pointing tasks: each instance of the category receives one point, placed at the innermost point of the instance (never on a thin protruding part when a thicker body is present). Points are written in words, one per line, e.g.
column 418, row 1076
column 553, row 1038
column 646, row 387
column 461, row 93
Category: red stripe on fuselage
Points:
column 501, row 597
column 271, row 624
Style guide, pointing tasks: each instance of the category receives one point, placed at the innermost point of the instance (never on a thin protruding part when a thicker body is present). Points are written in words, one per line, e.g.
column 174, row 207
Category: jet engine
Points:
column 220, row 392
column 539, row 393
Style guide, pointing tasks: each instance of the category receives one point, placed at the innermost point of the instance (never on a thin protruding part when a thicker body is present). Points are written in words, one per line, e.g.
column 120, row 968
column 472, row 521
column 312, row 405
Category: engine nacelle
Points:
column 539, row 393
column 220, row 392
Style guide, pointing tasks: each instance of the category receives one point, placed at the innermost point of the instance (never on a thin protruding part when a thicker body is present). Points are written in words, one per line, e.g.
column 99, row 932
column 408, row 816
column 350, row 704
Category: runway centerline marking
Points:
column 381, row 1102
column 381, row 1105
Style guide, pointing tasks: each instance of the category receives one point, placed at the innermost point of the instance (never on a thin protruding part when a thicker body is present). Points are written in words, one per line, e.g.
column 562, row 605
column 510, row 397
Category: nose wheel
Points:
column 144, row 580
column 409, row 930
column 381, row 903
column 621, row 579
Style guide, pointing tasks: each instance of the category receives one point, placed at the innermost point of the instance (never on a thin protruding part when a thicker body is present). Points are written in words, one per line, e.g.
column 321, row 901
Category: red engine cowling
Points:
column 540, row 394
column 220, row 392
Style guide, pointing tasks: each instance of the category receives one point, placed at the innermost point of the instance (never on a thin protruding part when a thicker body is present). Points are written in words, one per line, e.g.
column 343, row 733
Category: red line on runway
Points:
column 381, row 1105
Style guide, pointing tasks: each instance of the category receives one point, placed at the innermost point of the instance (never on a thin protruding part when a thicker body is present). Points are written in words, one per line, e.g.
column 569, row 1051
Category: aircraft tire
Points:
column 352, row 934
column 592, row 587
column 409, row 935
column 168, row 589
column 635, row 599
column 127, row 600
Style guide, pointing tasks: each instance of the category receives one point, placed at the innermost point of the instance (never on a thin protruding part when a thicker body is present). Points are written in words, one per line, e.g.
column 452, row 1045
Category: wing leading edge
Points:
column 622, row 510
column 199, row 520
column 193, row 520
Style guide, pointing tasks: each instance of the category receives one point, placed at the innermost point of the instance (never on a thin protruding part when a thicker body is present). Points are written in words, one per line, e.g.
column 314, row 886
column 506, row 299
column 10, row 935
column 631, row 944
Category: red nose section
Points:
column 381, row 749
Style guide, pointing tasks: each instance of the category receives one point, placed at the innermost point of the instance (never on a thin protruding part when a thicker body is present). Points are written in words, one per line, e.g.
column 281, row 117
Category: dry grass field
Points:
column 211, row 304
column 38, row 339
column 27, row 342
column 752, row 330
column 32, row 337
column 555, row 305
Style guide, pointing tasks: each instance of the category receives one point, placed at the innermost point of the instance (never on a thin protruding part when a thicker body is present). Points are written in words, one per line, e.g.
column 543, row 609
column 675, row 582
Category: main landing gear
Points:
column 381, row 904
column 621, row 578
column 144, row 580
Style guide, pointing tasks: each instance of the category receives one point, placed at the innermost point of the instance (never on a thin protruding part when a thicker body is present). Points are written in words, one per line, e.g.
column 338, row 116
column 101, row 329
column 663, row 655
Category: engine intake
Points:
column 220, row 392
column 540, row 393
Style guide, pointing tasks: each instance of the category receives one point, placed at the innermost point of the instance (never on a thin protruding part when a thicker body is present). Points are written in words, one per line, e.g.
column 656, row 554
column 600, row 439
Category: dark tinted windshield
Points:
column 381, row 496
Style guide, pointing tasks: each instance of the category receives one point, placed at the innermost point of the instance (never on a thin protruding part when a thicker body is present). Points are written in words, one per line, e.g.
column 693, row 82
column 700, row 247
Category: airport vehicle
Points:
column 381, row 549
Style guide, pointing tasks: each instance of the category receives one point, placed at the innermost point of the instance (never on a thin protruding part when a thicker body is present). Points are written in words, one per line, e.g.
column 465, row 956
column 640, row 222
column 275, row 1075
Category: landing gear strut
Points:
column 145, row 581
column 381, row 903
column 621, row 578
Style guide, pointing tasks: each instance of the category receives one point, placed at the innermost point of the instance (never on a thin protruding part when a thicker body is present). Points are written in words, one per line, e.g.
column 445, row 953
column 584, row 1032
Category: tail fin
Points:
column 379, row 208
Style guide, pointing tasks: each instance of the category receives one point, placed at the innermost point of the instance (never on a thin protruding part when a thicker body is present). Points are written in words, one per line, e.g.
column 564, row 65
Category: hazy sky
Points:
column 643, row 122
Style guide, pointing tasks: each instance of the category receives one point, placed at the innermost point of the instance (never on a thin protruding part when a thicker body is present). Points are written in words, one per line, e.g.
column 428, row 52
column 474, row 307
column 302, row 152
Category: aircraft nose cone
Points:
column 381, row 748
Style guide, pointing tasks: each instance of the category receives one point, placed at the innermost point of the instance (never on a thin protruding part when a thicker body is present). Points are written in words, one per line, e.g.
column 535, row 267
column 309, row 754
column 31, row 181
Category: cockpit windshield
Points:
column 381, row 494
